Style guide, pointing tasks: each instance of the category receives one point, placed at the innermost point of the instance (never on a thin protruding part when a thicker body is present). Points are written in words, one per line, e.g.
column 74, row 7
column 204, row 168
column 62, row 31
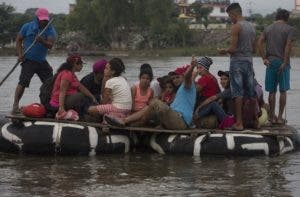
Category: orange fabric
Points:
column 140, row 101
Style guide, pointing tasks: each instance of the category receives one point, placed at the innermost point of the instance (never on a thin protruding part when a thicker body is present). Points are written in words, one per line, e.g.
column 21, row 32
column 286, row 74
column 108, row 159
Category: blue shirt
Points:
column 28, row 32
column 184, row 102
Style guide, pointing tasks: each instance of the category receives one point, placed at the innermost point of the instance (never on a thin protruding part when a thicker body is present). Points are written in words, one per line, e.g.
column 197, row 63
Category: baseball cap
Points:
column 179, row 71
column 42, row 14
column 221, row 73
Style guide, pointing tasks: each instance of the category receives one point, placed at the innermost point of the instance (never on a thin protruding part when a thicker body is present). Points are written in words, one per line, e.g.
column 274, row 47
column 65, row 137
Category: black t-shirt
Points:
column 89, row 82
column 227, row 101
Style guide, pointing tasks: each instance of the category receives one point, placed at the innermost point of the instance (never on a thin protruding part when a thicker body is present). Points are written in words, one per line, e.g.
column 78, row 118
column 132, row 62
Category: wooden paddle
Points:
column 33, row 43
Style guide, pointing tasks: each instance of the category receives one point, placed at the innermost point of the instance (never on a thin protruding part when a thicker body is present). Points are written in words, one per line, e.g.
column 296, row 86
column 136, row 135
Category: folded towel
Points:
column 67, row 115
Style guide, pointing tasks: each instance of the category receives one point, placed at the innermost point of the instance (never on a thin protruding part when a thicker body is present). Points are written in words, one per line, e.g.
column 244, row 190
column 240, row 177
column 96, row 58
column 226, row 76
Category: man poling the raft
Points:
column 37, row 37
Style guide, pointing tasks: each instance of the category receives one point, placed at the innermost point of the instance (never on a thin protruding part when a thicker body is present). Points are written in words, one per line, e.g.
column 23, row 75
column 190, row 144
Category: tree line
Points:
column 108, row 24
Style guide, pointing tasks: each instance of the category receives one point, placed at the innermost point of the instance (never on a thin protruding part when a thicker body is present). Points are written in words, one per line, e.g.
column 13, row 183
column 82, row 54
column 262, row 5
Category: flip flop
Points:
column 16, row 111
column 233, row 128
column 113, row 121
column 283, row 122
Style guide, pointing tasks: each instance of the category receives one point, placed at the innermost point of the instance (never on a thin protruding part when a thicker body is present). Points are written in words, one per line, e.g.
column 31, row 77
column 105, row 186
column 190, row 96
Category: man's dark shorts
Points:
column 29, row 68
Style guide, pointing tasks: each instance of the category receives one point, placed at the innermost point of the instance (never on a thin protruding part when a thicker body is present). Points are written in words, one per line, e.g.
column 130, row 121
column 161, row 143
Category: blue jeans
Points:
column 213, row 108
column 241, row 78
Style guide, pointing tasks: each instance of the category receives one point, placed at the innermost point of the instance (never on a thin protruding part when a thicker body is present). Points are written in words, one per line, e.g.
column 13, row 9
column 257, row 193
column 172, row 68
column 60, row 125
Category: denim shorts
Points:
column 241, row 78
column 273, row 78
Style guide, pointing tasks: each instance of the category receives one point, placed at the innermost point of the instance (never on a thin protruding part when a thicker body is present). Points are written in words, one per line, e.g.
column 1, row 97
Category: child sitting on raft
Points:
column 141, row 92
column 168, row 90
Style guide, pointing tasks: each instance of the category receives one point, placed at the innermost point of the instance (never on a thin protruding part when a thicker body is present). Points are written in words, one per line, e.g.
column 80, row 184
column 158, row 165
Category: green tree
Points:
column 15, row 24
column 178, row 34
column 295, row 22
column 60, row 23
column 5, row 18
column 159, row 13
column 110, row 23
column 140, row 17
column 102, row 20
column 259, row 20
column 201, row 13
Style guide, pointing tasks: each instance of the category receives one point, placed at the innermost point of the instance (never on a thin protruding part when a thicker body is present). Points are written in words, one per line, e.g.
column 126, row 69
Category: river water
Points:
column 148, row 174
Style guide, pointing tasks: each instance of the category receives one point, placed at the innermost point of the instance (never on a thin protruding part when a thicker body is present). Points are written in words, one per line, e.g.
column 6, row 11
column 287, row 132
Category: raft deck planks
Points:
column 276, row 130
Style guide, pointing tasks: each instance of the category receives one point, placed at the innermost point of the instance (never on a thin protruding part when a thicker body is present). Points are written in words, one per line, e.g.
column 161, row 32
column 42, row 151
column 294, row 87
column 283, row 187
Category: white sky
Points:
column 62, row 6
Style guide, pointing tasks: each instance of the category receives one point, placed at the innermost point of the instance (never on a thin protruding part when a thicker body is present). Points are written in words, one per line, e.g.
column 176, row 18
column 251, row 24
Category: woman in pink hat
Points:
column 68, row 92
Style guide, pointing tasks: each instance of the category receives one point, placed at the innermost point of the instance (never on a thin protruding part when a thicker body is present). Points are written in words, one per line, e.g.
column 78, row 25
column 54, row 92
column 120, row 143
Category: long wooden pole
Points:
column 33, row 43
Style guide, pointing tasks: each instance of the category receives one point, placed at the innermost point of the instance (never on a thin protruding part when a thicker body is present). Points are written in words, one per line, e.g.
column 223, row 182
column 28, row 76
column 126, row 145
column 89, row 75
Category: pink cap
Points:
column 99, row 66
column 42, row 14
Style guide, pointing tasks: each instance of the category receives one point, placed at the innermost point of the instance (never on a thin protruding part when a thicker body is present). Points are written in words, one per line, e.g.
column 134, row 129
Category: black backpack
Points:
column 251, row 113
column 46, row 90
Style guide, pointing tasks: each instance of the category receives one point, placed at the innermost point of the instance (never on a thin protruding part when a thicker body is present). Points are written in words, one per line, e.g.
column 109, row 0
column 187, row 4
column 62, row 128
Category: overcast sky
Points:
column 62, row 6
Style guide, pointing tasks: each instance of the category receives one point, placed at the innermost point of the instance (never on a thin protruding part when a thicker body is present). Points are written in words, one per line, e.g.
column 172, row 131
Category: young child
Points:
column 141, row 92
column 169, row 92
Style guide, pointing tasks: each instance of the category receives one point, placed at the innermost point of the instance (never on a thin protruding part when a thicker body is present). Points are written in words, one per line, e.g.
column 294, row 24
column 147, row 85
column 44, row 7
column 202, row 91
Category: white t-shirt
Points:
column 121, row 93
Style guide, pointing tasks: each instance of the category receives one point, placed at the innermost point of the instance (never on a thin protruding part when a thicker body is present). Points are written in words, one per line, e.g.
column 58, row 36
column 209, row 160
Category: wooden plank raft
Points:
column 276, row 130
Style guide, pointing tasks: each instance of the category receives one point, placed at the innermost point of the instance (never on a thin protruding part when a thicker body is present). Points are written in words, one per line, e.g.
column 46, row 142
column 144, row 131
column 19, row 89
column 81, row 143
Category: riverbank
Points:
column 168, row 52
column 132, row 53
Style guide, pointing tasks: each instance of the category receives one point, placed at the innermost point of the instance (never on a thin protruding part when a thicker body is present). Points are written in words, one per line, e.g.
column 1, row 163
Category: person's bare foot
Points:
column 281, row 121
column 237, row 127
column 159, row 127
column 15, row 110
column 114, row 121
column 273, row 120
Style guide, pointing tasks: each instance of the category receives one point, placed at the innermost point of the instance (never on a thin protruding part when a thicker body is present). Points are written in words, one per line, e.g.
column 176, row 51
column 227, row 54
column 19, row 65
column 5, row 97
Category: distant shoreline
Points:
column 170, row 52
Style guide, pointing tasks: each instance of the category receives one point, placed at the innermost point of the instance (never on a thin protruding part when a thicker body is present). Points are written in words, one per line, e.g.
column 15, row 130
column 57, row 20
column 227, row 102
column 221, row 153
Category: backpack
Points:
column 46, row 91
column 250, row 113
column 34, row 110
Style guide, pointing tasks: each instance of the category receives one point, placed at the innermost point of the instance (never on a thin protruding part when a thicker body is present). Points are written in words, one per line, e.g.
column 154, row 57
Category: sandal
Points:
column 233, row 128
column 113, row 121
column 16, row 111
column 281, row 121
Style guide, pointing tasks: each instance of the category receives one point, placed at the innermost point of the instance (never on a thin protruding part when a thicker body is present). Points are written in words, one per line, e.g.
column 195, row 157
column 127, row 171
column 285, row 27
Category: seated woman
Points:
column 68, row 92
column 211, row 106
column 116, row 95
column 142, row 93
column 93, row 80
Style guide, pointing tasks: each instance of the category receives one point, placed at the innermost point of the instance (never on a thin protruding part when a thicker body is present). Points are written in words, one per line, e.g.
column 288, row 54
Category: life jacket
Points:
column 46, row 91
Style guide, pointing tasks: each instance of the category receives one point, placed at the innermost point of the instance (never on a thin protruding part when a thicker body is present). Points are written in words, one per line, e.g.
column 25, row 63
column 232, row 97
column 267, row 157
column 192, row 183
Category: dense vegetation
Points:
column 109, row 24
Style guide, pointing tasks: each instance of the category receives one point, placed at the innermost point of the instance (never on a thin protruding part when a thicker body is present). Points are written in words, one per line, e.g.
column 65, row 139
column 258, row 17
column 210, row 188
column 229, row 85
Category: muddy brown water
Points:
column 148, row 174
